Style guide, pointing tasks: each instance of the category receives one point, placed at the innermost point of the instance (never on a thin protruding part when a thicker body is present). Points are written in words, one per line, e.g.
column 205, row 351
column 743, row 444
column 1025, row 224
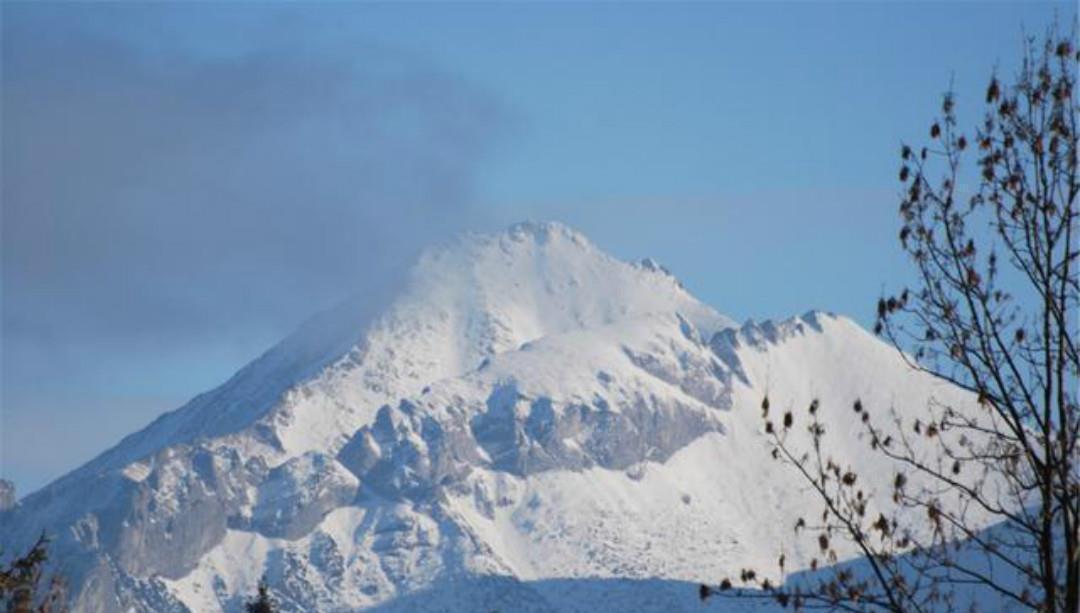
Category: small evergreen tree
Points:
column 23, row 588
column 263, row 602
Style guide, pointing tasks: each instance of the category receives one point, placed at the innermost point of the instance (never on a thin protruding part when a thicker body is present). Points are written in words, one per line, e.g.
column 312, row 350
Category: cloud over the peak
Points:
column 205, row 182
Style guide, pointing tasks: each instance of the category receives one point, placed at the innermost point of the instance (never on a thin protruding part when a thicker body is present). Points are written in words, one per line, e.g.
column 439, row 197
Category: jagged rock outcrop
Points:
column 7, row 495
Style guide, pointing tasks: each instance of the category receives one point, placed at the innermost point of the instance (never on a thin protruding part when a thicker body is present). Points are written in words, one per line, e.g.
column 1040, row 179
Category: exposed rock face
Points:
column 7, row 495
column 407, row 454
column 525, row 436
column 296, row 495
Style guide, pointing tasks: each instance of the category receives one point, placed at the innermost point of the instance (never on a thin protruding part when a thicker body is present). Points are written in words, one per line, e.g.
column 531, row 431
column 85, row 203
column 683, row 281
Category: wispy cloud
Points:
column 159, row 198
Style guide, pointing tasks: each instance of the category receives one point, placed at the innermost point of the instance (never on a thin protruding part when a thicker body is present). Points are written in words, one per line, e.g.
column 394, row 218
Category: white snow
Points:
column 541, row 310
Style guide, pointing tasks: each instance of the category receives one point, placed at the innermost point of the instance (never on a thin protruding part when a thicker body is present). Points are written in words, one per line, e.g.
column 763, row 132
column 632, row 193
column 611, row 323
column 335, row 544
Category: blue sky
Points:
column 185, row 184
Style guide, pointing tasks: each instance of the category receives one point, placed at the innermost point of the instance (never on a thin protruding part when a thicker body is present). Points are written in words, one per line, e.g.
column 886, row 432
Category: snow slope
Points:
column 528, row 422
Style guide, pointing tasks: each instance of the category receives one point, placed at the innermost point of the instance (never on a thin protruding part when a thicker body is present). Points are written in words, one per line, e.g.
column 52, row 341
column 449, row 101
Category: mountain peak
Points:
column 543, row 231
column 464, row 302
column 520, row 408
column 544, row 277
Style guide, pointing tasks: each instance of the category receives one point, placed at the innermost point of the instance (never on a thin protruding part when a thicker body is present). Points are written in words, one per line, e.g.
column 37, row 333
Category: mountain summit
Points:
column 527, row 424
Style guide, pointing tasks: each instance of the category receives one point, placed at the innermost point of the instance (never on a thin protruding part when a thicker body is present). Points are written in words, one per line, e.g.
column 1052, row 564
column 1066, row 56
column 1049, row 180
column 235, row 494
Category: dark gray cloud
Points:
column 162, row 197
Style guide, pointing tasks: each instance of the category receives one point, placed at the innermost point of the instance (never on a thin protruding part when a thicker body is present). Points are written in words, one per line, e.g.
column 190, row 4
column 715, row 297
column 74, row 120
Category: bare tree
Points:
column 994, row 312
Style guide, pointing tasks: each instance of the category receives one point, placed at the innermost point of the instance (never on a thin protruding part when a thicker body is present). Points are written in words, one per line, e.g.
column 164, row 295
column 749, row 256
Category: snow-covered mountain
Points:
column 529, row 424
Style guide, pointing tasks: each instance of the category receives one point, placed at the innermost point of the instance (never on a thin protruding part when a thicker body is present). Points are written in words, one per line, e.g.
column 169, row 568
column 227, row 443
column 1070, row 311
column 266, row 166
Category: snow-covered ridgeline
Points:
column 527, row 407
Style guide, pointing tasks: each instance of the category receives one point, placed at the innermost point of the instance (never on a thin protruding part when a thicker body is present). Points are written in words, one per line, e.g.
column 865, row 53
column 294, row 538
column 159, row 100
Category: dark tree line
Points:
column 994, row 312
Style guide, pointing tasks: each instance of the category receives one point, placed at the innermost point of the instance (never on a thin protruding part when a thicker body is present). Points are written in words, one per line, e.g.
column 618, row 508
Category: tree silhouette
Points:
column 994, row 312
column 263, row 602
column 23, row 588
